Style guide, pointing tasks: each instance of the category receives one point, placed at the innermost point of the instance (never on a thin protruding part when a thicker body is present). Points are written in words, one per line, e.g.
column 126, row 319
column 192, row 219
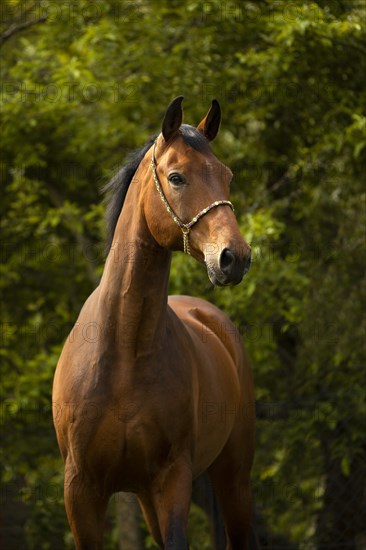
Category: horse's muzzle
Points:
column 231, row 268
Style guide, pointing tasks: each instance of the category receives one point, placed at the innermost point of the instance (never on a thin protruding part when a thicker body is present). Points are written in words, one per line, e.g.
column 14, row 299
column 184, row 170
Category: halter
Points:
column 185, row 227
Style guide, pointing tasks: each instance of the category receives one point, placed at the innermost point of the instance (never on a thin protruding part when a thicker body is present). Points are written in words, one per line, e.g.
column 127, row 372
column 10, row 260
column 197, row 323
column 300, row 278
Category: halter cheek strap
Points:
column 185, row 227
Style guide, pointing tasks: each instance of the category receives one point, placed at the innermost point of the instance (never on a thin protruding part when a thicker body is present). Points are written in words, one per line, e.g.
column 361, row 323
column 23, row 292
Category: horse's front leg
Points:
column 171, row 495
column 85, row 507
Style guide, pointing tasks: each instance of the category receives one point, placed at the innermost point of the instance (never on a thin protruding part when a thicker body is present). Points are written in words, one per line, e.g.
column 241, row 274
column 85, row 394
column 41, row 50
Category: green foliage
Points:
column 198, row 529
column 89, row 82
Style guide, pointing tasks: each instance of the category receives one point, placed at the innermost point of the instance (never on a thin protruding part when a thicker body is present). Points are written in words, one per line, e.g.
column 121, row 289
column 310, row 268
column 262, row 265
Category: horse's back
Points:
column 226, row 392
column 210, row 325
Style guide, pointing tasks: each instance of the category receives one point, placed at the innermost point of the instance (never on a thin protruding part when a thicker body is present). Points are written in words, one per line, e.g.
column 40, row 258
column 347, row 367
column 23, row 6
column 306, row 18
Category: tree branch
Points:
column 15, row 28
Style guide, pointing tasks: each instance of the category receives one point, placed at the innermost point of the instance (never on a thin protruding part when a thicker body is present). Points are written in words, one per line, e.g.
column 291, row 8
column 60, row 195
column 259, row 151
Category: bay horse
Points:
column 150, row 391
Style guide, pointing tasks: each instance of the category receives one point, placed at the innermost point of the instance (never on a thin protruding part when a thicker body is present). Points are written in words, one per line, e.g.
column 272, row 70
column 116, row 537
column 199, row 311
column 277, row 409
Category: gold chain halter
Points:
column 185, row 227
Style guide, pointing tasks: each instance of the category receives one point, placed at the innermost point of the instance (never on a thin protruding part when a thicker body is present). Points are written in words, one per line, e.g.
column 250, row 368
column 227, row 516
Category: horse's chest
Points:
column 139, row 436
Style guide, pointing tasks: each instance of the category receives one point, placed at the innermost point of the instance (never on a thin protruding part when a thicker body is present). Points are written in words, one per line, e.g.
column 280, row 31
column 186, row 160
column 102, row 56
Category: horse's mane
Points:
column 117, row 187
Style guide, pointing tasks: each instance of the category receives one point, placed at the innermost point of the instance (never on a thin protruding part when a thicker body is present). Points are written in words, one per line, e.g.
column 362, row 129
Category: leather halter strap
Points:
column 185, row 227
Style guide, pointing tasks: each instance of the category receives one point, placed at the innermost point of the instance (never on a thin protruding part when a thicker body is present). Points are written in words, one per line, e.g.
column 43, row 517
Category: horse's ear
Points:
column 173, row 118
column 210, row 125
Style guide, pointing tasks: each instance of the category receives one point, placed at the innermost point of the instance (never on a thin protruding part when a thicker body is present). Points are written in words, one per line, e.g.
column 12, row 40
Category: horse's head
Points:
column 188, row 208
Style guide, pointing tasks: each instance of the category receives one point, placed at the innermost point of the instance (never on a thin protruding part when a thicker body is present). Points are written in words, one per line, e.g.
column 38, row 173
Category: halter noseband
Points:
column 185, row 227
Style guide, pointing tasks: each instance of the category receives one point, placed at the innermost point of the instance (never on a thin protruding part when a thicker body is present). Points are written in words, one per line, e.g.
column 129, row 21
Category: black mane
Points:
column 118, row 186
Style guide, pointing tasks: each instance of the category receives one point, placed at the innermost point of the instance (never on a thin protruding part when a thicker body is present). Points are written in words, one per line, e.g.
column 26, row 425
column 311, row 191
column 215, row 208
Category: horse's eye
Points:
column 175, row 179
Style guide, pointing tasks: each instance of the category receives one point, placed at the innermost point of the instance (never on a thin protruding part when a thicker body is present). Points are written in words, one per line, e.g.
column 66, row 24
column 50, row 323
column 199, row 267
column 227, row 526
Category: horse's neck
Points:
column 132, row 297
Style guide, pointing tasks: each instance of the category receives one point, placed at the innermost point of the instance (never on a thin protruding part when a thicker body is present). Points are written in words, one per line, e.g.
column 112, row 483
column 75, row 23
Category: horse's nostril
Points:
column 227, row 260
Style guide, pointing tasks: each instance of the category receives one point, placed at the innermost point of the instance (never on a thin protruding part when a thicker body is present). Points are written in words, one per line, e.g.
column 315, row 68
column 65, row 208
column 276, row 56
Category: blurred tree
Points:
column 84, row 83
